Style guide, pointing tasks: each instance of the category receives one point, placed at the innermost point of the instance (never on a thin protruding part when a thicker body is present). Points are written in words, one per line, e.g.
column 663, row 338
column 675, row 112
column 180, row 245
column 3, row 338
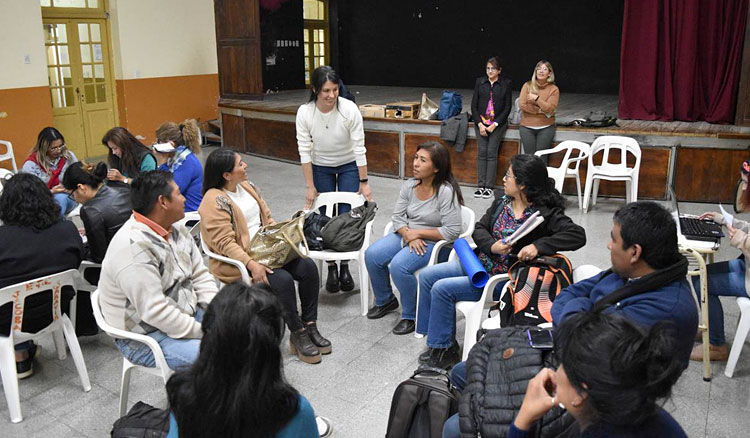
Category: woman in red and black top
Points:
column 490, row 107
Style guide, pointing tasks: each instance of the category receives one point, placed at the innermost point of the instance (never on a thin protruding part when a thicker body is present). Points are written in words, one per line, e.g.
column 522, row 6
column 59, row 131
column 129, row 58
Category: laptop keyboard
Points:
column 696, row 227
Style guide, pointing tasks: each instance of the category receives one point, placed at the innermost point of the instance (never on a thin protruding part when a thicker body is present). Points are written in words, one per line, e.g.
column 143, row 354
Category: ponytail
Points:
column 84, row 173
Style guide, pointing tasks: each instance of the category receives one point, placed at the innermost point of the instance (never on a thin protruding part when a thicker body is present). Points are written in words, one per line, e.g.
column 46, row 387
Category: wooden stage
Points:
column 701, row 159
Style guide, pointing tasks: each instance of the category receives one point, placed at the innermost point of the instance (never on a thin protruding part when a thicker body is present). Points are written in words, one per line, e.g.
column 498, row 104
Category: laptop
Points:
column 693, row 228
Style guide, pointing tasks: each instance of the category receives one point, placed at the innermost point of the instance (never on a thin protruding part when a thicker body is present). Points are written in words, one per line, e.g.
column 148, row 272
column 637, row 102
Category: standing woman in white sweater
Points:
column 331, row 143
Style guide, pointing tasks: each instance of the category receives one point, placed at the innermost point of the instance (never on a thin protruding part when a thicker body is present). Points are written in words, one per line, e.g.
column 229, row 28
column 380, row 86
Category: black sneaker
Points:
column 443, row 358
column 25, row 368
column 478, row 192
column 425, row 356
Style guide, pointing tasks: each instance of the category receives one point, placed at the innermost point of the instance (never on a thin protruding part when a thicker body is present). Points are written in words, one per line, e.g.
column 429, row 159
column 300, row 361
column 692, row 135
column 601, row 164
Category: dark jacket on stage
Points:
column 557, row 233
column 501, row 97
column 102, row 216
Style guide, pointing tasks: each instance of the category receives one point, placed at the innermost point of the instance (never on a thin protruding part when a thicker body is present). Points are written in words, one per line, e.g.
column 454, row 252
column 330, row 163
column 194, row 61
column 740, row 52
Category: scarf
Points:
column 181, row 153
column 54, row 177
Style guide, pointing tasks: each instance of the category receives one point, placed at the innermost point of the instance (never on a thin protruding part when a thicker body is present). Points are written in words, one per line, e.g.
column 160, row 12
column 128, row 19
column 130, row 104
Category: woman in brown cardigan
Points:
column 231, row 213
column 538, row 102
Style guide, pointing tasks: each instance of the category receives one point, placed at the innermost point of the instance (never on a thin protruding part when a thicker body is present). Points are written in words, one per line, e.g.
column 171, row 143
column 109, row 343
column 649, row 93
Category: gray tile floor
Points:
column 352, row 386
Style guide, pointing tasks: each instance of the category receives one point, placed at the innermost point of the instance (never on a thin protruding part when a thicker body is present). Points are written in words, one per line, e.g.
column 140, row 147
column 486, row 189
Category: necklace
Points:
column 326, row 120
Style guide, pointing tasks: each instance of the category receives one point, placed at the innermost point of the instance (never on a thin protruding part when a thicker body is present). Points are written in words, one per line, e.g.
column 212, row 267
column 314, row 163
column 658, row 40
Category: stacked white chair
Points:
column 610, row 145
column 565, row 170
column 8, row 155
column 60, row 326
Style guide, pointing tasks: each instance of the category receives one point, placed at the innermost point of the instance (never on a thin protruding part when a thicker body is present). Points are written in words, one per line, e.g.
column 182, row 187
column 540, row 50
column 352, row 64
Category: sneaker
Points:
column 488, row 193
column 478, row 192
column 443, row 358
column 716, row 353
column 425, row 356
column 25, row 368
column 325, row 427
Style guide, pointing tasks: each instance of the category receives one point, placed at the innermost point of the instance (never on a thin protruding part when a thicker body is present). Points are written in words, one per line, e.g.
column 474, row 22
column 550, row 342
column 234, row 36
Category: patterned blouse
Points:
column 505, row 225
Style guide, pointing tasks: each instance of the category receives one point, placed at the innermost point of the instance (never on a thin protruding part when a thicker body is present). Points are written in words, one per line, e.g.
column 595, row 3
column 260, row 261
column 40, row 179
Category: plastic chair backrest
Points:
column 236, row 263
column 8, row 155
column 17, row 294
column 584, row 271
column 624, row 144
column 330, row 199
column 468, row 221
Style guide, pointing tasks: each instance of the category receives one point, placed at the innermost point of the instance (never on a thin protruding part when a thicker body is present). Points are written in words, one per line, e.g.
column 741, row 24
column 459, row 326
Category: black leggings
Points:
column 282, row 282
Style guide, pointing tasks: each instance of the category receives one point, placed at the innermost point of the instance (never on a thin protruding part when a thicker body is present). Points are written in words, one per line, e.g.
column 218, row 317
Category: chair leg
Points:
column 10, row 378
column 473, row 321
column 739, row 339
column 634, row 188
column 364, row 286
column 125, row 386
column 578, row 186
column 416, row 314
column 57, row 337
column 75, row 351
column 596, row 191
column 628, row 192
column 587, row 194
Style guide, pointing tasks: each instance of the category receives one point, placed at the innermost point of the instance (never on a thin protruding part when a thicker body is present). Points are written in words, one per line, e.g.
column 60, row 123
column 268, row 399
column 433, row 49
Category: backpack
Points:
column 533, row 287
column 142, row 421
column 421, row 404
column 346, row 232
column 451, row 104
column 515, row 114
column 314, row 222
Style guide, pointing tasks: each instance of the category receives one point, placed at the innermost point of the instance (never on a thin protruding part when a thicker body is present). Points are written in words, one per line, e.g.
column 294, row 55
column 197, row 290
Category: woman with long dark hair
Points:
column 232, row 212
column 236, row 387
column 331, row 143
column 127, row 156
column 183, row 162
column 528, row 188
column 612, row 378
column 490, row 107
column 428, row 209
column 49, row 159
column 34, row 242
column 538, row 102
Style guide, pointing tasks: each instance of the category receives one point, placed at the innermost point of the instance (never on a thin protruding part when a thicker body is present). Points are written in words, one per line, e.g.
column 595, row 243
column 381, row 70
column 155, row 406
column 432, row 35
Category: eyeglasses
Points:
column 70, row 195
column 508, row 175
column 57, row 148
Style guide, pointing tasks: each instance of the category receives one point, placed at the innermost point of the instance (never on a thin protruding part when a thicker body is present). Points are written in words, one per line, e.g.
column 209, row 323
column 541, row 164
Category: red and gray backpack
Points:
column 533, row 287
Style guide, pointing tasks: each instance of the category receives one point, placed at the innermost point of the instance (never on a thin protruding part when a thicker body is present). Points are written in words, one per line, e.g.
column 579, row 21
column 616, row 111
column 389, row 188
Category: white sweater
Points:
column 332, row 139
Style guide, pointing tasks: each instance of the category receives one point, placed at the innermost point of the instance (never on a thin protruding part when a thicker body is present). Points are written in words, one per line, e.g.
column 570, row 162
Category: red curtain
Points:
column 681, row 59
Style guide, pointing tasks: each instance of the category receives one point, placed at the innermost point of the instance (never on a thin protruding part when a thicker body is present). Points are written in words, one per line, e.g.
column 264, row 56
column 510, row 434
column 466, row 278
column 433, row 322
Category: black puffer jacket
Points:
column 498, row 371
column 102, row 216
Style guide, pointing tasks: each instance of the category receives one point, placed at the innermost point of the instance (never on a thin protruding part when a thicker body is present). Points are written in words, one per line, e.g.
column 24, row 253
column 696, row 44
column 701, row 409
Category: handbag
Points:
column 276, row 245
column 428, row 109
column 314, row 222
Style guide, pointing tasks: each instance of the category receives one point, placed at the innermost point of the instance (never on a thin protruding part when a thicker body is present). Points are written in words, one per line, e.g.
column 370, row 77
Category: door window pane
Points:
column 66, row 77
column 54, row 78
column 85, row 53
column 99, row 72
column 51, row 55
column 49, row 33
column 87, row 73
column 62, row 53
column 90, row 94
column 69, row 97
column 95, row 33
column 83, row 32
column 45, row 3
column 98, row 53
column 56, row 94
column 70, row 3
column 94, row 4
column 62, row 33
column 101, row 93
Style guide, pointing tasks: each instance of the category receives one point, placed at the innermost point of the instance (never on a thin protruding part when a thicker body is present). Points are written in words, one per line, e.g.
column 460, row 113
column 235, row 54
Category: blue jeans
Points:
column 66, row 204
column 385, row 259
column 724, row 279
column 440, row 287
column 458, row 378
column 179, row 353
column 344, row 178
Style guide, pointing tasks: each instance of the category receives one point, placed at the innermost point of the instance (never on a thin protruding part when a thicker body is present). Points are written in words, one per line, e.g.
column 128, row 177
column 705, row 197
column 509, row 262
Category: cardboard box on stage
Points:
column 402, row 110
column 370, row 110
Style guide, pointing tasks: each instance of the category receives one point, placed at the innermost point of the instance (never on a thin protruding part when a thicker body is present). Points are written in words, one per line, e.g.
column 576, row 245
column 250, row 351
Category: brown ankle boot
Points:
column 303, row 347
column 716, row 353
column 323, row 344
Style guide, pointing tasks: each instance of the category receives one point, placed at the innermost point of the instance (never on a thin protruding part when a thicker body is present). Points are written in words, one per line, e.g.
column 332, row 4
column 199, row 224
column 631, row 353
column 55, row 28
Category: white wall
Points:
column 162, row 38
column 20, row 35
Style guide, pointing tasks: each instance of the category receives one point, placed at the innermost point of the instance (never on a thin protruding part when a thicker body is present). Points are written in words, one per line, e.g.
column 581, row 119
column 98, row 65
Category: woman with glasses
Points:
column 48, row 160
column 528, row 188
column 127, row 157
column 490, row 107
column 538, row 103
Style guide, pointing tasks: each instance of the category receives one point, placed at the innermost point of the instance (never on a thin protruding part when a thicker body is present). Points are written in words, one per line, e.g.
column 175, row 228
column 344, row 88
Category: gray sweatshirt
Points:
column 442, row 211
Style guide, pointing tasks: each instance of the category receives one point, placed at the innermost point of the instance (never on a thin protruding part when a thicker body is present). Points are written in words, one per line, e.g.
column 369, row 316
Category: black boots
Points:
column 339, row 279
column 301, row 345
column 323, row 344
column 443, row 358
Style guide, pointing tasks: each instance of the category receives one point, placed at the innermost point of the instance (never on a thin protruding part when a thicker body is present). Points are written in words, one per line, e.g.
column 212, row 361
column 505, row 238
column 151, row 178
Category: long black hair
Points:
column 622, row 367
column 319, row 77
column 219, row 161
column 441, row 160
column 236, row 387
column 82, row 173
column 531, row 172
column 131, row 148
column 27, row 202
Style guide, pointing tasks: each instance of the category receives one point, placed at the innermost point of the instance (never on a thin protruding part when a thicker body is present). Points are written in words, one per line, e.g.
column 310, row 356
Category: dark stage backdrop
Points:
column 445, row 43
column 282, row 52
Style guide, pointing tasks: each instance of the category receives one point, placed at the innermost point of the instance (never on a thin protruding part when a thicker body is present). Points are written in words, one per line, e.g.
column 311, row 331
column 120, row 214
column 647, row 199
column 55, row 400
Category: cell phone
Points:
column 540, row 338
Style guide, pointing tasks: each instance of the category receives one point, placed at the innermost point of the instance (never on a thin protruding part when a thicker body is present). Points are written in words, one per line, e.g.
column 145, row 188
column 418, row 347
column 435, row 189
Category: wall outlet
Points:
column 26, row 59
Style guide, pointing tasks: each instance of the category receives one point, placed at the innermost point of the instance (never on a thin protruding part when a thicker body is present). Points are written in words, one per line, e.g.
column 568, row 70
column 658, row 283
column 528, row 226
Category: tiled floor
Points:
column 352, row 386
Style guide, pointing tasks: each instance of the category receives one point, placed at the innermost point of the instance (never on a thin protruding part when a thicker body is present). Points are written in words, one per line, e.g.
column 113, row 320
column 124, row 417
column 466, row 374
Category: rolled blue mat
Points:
column 472, row 266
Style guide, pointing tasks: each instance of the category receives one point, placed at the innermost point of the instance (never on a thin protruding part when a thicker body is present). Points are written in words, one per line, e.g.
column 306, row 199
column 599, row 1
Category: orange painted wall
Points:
column 29, row 110
column 143, row 104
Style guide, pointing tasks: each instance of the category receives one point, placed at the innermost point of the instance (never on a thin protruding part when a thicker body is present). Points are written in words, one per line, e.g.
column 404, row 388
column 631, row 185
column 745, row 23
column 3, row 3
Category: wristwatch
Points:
column 363, row 180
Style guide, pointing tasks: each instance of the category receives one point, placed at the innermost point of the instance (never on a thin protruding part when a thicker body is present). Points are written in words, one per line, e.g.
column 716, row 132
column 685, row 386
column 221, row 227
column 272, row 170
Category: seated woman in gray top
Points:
column 428, row 210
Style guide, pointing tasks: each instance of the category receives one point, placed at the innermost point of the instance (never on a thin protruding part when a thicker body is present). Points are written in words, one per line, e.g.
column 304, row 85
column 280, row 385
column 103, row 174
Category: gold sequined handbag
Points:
column 428, row 109
column 276, row 245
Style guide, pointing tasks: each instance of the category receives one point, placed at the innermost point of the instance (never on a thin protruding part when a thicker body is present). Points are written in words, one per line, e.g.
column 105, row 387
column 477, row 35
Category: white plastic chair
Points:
column 8, row 155
column 236, row 263
column 739, row 338
column 565, row 171
column 161, row 369
column 60, row 325
column 5, row 174
column 191, row 216
column 329, row 200
column 468, row 222
column 612, row 171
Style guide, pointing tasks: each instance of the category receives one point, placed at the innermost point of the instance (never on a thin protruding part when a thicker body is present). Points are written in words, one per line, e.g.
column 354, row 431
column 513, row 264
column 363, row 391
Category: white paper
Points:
column 532, row 222
column 728, row 218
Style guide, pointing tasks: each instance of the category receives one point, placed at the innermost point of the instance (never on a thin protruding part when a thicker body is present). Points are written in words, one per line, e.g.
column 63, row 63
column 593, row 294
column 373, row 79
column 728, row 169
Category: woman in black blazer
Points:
column 490, row 107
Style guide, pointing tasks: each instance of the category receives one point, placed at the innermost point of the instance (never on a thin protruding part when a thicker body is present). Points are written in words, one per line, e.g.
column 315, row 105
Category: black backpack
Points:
column 421, row 404
column 533, row 287
column 346, row 232
column 142, row 421
column 314, row 222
